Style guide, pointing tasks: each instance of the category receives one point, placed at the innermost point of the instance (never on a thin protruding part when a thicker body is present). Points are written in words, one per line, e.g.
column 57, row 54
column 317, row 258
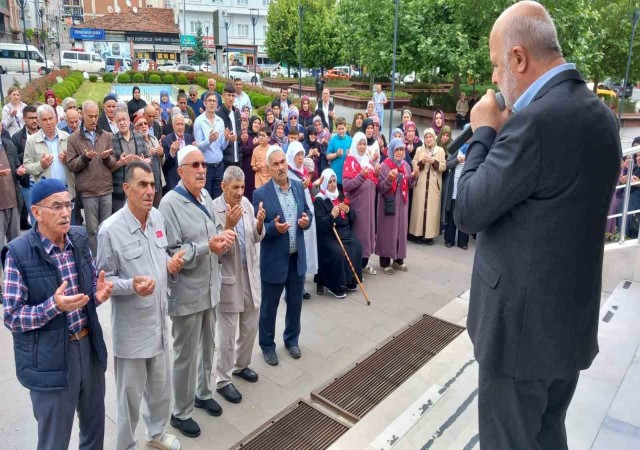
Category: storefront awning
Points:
column 158, row 48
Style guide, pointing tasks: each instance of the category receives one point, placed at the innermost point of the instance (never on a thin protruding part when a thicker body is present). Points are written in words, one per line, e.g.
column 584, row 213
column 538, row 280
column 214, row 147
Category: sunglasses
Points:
column 196, row 165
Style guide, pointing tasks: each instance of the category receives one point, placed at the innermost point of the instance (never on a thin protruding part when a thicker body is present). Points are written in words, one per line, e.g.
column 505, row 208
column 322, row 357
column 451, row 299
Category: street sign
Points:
column 88, row 34
column 187, row 40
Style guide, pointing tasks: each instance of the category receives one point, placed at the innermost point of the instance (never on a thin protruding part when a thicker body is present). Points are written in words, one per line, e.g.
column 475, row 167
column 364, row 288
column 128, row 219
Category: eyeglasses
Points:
column 193, row 95
column 58, row 207
column 140, row 123
column 72, row 107
column 196, row 165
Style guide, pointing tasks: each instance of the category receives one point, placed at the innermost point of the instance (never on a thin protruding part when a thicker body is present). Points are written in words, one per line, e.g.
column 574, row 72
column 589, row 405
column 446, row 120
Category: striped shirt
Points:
column 19, row 316
column 290, row 210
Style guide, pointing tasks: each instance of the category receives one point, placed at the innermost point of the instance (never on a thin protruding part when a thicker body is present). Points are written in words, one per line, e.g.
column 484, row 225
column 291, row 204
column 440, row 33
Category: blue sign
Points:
column 89, row 34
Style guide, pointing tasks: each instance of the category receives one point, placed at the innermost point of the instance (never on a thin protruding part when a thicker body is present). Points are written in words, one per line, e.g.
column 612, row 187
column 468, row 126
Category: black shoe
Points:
column 247, row 375
column 230, row 393
column 306, row 296
column 187, row 427
column 338, row 293
column 271, row 358
column 25, row 226
column 463, row 247
column 448, row 244
column 351, row 287
column 210, row 406
column 294, row 351
column 319, row 289
column 428, row 241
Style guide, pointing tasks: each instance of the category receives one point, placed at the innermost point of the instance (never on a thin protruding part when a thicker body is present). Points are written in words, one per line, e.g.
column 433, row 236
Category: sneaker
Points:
column 388, row 270
column 165, row 442
column 370, row 270
column 351, row 287
column 403, row 267
column 337, row 294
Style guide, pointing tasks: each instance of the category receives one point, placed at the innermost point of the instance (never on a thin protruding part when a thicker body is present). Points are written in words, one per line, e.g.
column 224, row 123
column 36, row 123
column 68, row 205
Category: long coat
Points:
column 232, row 291
column 310, row 241
column 425, row 208
column 361, row 193
column 391, row 241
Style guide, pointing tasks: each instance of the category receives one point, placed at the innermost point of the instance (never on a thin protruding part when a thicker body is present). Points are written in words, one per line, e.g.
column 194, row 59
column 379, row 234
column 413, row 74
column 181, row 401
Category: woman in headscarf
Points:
column 380, row 138
column 165, row 107
column 270, row 119
column 371, row 109
column 323, row 133
column 437, row 121
column 395, row 178
column 255, row 123
column 406, row 117
column 135, row 104
column 306, row 115
column 373, row 148
column 244, row 121
column 444, row 138
column 320, row 113
column 313, row 150
column 411, row 140
column 424, row 223
column 333, row 211
column 297, row 171
column 292, row 122
column 51, row 100
column 357, row 125
column 278, row 137
column 360, row 183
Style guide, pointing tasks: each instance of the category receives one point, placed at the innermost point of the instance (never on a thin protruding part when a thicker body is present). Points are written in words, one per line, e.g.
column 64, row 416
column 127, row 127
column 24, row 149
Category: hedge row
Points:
column 131, row 76
column 259, row 96
column 33, row 92
column 68, row 86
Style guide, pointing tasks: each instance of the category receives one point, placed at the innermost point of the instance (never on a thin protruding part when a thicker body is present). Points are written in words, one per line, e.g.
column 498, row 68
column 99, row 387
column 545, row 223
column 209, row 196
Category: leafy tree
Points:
column 282, row 31
column 200, row 54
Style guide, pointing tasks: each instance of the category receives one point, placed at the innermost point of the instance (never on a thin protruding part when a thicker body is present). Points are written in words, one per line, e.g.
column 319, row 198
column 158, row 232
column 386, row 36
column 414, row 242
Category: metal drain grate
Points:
column 300, row 426
column 356, row 391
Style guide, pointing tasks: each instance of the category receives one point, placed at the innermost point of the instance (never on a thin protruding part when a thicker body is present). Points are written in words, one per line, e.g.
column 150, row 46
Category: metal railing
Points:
column 627, row 193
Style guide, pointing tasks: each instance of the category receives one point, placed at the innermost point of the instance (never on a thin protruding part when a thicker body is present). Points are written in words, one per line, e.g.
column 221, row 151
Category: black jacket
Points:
column 14, row 163
column 103, row 123
column 228, row 153
column 19, row 139
column 538, row 196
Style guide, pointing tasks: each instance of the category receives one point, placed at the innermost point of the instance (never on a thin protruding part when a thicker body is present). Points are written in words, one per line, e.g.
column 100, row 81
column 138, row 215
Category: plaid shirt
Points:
column 20, row 316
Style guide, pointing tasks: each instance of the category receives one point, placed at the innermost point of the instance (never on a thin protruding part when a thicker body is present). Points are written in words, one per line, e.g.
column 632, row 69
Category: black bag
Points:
column 390, row 206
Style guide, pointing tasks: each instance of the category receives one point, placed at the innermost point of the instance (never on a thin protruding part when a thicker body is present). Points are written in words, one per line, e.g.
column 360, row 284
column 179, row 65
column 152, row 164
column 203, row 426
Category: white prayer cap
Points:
column 273, row 148
column 184, row 151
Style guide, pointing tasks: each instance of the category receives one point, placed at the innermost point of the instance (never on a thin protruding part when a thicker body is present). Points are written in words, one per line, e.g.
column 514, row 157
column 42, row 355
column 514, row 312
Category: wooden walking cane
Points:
column 353, row 270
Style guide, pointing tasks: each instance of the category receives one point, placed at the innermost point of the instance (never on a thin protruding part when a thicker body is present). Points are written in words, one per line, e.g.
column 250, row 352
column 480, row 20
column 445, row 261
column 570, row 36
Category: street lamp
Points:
column 393, row 66
column 254, row 13
column 208, row 56
column 634, row 24
column 300, row 16
column 44, row 41
column 21, row 5
column 227, row 24
column 59, row 38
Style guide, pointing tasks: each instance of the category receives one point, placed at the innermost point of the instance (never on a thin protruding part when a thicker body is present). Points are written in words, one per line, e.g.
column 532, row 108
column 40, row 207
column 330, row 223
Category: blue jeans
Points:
column 26, row 194
column 214, row 178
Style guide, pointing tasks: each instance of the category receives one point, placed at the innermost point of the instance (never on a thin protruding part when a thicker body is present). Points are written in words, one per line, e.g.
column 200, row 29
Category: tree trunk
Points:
column 455, row 90
column 371, row 81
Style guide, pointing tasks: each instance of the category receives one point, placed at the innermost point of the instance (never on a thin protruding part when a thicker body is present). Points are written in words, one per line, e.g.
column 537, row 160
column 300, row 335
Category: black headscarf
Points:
column 368, row 122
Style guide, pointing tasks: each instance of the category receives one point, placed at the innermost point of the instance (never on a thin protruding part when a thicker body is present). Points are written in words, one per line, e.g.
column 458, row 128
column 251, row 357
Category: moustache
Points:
column 200, row 177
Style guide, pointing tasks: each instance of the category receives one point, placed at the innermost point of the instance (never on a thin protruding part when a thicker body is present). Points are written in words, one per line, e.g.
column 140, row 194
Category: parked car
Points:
column 334, row 74
column 185, row 68
column 349, row 70
column 168, row 66
column 13, row 57
column 145, row 64
column 603, row 90
column 411, row 78
column 204, row 67
column 617, row 87
column 243, row 74
column 123, row 63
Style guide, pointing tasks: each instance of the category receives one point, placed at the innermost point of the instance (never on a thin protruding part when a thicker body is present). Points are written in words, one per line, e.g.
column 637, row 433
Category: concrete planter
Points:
column 276, row 83
column 311, row 90
column 427, row 115
column 351, row 101
column 630, row 120
column 364, row 85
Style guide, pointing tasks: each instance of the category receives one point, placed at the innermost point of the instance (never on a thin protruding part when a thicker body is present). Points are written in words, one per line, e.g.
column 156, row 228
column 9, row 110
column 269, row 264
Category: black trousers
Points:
column 523, row 414
column 450, row 229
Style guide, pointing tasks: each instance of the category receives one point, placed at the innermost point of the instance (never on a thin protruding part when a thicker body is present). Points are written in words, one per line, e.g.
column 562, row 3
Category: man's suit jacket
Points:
column 170, row 167
column 33, row 151
column 537, row 194
column 328, row 118
column 103, row 123
column 274, row 249
column 232, row 292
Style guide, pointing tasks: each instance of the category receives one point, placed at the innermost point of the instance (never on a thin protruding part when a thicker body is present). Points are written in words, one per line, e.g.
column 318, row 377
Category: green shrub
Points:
column 258, row 100
column 182, row 79
column 124, row 78
column 154, row 78
column 61, row 91
column 93, row 78
column 108, row 77
column 138, row 77
column 168, row 78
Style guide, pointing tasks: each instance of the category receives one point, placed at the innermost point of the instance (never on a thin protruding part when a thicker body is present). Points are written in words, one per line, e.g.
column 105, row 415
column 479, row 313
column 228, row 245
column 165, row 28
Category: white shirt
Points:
column 232, row 117
column 241, row 101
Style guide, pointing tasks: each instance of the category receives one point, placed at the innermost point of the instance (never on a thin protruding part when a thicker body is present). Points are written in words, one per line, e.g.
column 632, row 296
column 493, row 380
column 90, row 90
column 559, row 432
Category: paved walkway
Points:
column 334, row 334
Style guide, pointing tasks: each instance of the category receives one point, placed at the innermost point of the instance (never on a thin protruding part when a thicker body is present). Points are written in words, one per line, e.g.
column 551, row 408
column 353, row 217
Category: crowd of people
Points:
column 204, row 212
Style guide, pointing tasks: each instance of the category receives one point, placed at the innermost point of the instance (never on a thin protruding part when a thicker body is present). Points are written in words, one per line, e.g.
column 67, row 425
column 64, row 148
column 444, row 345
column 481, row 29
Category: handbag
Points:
column 390, row 206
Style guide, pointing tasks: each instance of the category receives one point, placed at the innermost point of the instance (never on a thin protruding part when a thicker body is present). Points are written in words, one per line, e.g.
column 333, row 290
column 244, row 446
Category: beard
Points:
column 508, row 87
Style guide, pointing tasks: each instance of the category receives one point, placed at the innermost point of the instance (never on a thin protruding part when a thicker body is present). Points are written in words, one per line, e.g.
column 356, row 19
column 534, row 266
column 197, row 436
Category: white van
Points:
column 83, row 61
column 14, row 57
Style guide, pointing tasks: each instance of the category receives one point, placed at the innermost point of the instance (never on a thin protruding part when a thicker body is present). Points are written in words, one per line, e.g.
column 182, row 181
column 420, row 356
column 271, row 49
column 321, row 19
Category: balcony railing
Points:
column 627, row 194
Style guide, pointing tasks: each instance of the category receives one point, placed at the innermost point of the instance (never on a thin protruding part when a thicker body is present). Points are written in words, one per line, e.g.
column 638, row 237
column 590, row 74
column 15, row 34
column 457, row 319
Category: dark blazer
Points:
column 537, row 193
column 14, row 163
column 274, row 248
column 19, row 140
column 103, row 123
column 227, row 153
column 170, row 167
column 328, row 119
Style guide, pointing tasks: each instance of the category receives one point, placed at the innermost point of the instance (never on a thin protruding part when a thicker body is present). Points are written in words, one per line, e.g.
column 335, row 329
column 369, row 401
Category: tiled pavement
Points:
column 334, row 334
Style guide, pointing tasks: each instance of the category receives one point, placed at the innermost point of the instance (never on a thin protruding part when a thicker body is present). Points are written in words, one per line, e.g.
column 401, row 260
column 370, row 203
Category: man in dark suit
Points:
column 536, row 187
column 328, row 108
column 282, row 254
column 107, row 120
column 230, row 115
column 171, row 143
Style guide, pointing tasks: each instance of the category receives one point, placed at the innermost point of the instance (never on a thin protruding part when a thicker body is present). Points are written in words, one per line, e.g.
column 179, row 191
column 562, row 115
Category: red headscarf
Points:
column 49, row 93
column 405, row 180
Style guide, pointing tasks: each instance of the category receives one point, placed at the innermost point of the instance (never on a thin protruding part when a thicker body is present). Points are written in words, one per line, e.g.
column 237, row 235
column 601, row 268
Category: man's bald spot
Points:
column 149, row 109
column 72, row 114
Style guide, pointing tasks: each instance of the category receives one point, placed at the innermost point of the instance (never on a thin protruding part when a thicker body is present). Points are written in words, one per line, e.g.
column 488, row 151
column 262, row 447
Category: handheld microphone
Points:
column 467, row 132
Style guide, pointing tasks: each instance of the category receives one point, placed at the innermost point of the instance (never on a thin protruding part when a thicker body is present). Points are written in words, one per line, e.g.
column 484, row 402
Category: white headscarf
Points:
column 363, row 160
column 324, row 191
column 292, row 150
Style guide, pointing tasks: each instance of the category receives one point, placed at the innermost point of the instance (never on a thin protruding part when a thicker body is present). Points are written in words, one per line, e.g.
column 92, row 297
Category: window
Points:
column 264, row 31
column 242, row 2
column 65, row 55
column 266, row 2
column 84, row 57
column 195, row 26
column 97, row 58
column 243, row 30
